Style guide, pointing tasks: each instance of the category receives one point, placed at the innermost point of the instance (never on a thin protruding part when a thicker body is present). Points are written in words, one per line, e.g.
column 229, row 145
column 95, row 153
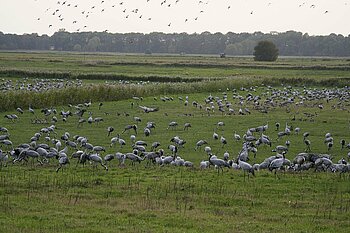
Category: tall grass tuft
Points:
column 94, row 76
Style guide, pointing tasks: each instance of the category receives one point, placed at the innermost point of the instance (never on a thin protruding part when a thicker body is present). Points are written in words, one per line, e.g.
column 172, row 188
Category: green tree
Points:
column 265, row 51
column 93, row 44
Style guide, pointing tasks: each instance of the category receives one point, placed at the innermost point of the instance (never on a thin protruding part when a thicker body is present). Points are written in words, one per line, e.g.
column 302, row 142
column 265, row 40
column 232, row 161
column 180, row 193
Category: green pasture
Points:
column 187, row 73
column 150, row 198
column 187, row 66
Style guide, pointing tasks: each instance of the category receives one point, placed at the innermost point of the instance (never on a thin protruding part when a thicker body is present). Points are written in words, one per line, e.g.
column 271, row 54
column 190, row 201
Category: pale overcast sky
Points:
column 316, row 17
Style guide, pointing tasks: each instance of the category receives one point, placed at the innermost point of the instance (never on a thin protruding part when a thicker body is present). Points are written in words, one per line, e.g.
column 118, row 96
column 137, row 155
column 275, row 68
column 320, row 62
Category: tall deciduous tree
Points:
column 265, row 51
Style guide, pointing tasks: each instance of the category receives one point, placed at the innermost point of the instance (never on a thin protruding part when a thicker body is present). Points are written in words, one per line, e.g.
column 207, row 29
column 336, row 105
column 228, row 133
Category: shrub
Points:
column 265, row 51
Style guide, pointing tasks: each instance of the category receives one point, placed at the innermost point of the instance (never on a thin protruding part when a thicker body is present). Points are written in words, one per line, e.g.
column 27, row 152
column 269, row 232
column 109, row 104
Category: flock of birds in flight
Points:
column 59, row 9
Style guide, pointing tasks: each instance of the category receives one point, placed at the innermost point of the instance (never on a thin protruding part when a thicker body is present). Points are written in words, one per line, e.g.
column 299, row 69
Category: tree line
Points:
column 290, row 43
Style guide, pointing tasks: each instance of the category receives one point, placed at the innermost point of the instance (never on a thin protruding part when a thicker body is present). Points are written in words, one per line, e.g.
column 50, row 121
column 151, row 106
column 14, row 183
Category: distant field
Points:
column 116, row 69
column 172, row 66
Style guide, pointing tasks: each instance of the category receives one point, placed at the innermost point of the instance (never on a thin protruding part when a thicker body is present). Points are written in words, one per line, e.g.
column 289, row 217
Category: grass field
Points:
column 177, row 199
column 173, row 66
column 170, row 199
column 150, row 198
column 197, row 72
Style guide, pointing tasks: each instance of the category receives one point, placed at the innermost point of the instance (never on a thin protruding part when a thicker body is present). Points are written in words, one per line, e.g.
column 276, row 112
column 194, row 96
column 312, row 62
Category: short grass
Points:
column 144, row 198
column 168, row 199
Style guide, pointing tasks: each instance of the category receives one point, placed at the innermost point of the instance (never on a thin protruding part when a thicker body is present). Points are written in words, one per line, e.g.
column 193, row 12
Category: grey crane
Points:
column 114, row 140
column 187, row 126
column 223, row 141
column 249, row 138
column 342, row 161
column 328, row 139
column 80, row 122
column 178, row 161
column 155, row 145
column 280, row 149
column 342, row 143
column 308, row 145
column 236, row 136
column 99, row 149
column 4, row 130
column 108, row 158
column 137, row 119
column 88, row 146
column 218, row 163
column 4, row 137
column 77, row 154
column 172, row 125
column 164, row 160
column 42, row 152
column 220, row 124
column 62, row 160
column 31, row 110
column 3, row 158
column 148, row 109
column 204, row 164
column 141, row 143
column 329, row 145
column 20, row 110
column 265, row 140
column 121, row 158
column 129, row 127
column 277, row 124
column 200, row 143
column 173, row 149
column 110, row 129
column 287, row 143
column 243, row 154
column 132, row 138
column 323, row 163
column 90, row 120
column 246, row 167
column 305, row 135
column 226, row 156
column 97, row 120
column 278, row 163
column 151, row 125
column 71, row 144
column 215, row 136
column 11, row 117
column 7, row 143
column 151, row 156
column 147, row 131
column 95, row 158
column 207, row 149
column 188, row 164
column 134, row 158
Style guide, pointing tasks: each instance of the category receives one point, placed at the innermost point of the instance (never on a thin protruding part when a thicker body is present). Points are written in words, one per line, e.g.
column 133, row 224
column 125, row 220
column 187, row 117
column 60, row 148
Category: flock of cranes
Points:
column 134, row 143
column 37, row 85
column 60, row 10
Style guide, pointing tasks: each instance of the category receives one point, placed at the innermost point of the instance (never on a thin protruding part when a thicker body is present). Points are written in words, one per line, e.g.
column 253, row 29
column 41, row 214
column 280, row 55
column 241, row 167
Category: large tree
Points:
column 265, row 51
